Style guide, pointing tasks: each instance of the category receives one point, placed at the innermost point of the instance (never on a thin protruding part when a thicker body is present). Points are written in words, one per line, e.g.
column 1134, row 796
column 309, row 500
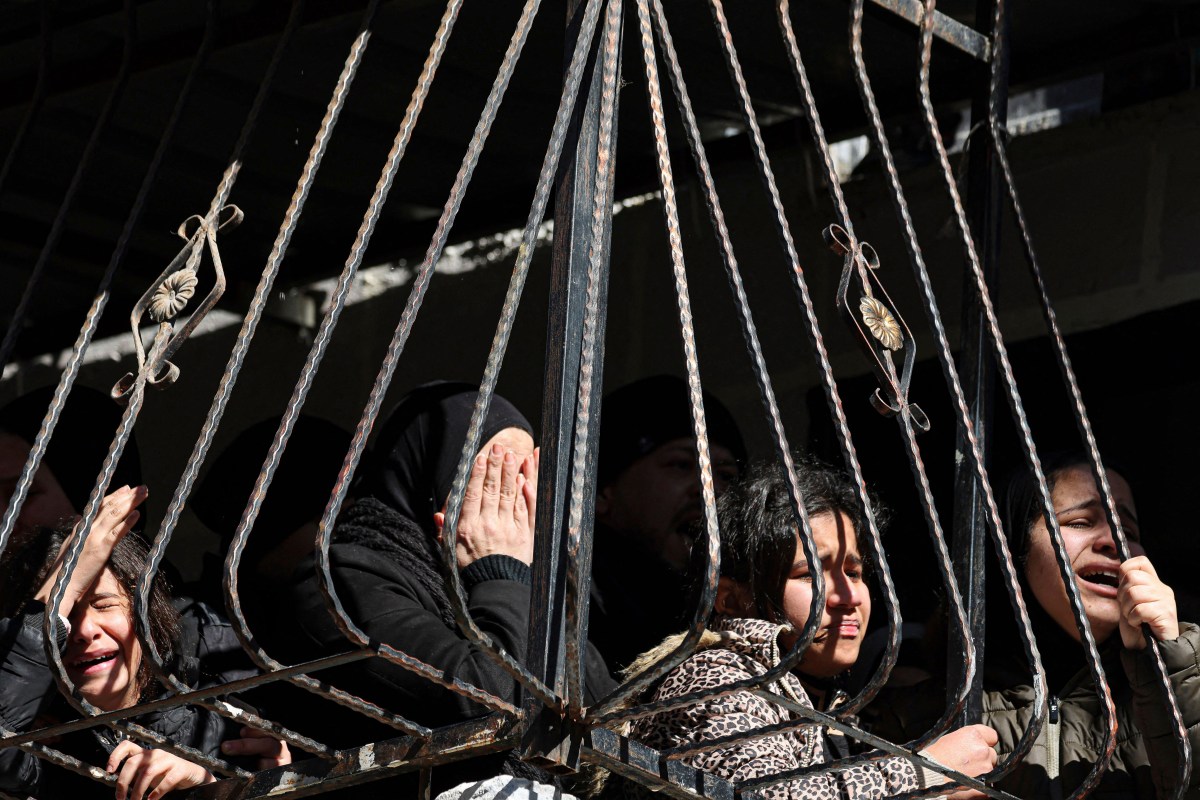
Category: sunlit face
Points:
column 47, row 503
column 657, row 498
column 1090, row 548
column 103, row 653
column 847, row 601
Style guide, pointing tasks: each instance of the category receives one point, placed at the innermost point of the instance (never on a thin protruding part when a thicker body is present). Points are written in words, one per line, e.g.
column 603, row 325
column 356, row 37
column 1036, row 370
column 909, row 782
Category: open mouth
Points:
column 90, row 664
column 1101, row 577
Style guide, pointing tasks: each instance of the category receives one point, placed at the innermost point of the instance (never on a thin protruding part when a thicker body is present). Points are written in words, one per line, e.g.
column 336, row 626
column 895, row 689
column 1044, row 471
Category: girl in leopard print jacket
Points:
column 763, row 600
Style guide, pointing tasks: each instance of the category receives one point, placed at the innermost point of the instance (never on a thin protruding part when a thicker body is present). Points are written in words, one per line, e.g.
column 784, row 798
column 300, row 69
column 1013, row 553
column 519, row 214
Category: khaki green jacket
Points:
column 1144, row 763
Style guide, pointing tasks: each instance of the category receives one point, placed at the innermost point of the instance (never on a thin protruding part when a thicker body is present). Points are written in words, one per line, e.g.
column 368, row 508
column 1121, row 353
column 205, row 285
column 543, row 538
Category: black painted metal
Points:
column 551, row 724
column 979, row 376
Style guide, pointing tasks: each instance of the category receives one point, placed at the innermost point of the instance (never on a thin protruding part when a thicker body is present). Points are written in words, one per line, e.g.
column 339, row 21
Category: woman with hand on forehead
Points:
column 104, row 660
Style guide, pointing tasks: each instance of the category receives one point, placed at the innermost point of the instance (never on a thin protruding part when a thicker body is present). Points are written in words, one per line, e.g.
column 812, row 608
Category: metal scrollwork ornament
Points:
column 169, row 296
column 880, row 331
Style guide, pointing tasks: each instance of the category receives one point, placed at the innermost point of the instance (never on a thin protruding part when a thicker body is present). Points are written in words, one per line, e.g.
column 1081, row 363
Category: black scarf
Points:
column 409, row 479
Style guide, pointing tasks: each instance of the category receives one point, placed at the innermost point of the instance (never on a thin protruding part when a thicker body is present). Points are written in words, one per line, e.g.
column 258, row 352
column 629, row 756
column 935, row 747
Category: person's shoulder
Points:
column 708, row 669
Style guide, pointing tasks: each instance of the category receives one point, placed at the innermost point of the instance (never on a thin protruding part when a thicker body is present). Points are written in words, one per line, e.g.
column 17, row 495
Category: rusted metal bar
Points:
column 947, row 29
column 637, row 762
column 370, row 412
column 979, row 377
column 1012, row 395
column 968, row 441
column 610, row 709
column 812, row 329
column 369, row 762
column 580, row 523
column 711, row 539
column 574, row 180
column 85, row 159
column 997, row 116
column 13, row 739
column 158, row 550
column 291, row 218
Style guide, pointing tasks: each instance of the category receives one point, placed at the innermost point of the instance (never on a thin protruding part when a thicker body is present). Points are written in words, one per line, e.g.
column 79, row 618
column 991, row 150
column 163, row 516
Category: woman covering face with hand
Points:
column 388, row 570
column 763, row 601
column 103, row 660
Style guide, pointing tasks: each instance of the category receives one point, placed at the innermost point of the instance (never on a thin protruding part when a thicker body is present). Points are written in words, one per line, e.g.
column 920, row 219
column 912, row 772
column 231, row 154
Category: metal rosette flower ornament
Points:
column 882, row 333
column 169, row 295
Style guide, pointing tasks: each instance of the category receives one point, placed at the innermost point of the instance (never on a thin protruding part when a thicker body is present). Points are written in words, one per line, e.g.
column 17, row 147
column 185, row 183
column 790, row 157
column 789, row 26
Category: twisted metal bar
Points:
column 237, row 357
column 610, row 710
column 63, row 760
column 1012, row 394
column 1082, row 421
column 85, row 159
column 157, row 552
column 888, row 748
column 537, row 211
column 950, row 375
column 71, row 558
column 813, row 330
column 583, row 465
column 712, row 537
column 12, row 739
column 387, row 369
column 40, row 87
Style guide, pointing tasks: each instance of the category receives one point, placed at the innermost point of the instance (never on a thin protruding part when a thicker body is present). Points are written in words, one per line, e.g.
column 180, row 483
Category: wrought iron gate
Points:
column 554, row 726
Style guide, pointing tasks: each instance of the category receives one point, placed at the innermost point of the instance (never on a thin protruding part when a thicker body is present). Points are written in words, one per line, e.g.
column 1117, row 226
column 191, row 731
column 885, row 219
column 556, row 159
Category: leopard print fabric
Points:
column 748, row 648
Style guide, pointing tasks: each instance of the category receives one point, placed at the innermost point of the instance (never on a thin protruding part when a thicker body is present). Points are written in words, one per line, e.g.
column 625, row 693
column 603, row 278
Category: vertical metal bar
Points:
column 996, row 127
column 978, row 375
column 609, row 710
column 580, row 521
column 582, row 223
column 383, row 378
column 816, row 339
column 1033, row 461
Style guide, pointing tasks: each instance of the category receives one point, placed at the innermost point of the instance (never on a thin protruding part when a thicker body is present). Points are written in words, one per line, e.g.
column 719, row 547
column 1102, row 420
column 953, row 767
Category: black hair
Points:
column 1022, row 500
column 758, row 527
column 29, row 560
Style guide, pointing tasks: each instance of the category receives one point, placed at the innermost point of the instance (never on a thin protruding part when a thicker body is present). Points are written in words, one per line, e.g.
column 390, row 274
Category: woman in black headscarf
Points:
column 388, row 570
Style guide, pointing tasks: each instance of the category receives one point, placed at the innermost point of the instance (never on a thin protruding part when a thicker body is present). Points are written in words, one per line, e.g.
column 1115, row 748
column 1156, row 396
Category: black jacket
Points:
column 387, row 603
column 29, row 698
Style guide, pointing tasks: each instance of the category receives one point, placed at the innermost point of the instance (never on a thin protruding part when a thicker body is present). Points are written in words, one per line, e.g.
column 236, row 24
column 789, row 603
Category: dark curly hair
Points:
column 758, row 528
column 29, row 560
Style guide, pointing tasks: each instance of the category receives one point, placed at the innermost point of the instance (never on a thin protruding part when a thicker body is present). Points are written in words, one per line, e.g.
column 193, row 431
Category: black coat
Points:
column 388, row 604
column 391, row 605
column 29, row 697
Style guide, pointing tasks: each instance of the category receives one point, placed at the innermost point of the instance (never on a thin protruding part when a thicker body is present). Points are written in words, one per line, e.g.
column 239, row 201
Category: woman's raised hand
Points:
column 271, row 752
column 148, row 774
column 970, row 750
column 117, row 516
column 498, row 508
column 1145, row 600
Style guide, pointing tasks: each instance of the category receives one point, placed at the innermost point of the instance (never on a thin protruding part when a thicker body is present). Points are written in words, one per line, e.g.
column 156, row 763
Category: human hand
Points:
column 1145, row 600
column 271, row 752
column 148, row 774
column 969, row 750
column 496, row 516
column 117, row 515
